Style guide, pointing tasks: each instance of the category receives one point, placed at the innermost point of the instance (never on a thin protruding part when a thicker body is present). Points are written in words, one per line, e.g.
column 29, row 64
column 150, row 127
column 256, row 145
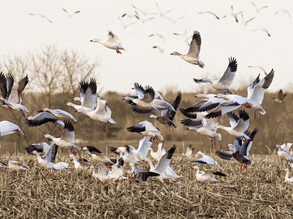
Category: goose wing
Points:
column 195, row 44
column 90, row 96
column 40, row 119
column 7, row 128
column 51, row 153
column 230, row 72
column 113, row 38
column 68, row 134
column 164, row 161
column 243, row 121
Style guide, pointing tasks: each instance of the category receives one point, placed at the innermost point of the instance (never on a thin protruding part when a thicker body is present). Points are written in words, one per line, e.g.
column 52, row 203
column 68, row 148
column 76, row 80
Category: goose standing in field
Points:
column 167, row 116
column 224, row 83
column 241, row 156
column 49, row 158
column 238, row 126
column 146, row 128
column 193, row 54
column 159, row 153
column 67, row 138
column 284, row 152
column 14, row 93
column 44, row 117
column 80, row 164
column 207, row 176
column 113, row 42
column 205, row 159
column 6, row 84
column 7, row 128
column 189, row 151
column 281, row 96
column 96, row 154
column 59, row 113
column 287, row 179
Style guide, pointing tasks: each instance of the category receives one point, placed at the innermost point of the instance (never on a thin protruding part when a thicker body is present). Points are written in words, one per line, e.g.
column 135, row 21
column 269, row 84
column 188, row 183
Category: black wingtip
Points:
column 213, row 115
column 68, row 125
column 233, row 64
column 243, row 115
column 92, row 149
column 171, row 151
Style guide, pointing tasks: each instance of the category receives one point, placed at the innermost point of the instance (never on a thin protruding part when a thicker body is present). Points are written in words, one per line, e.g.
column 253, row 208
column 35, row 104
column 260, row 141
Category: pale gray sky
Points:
column 21, row 33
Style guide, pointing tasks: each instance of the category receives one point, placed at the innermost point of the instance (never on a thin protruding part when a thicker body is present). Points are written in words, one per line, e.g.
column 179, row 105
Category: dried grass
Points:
column 258, row 192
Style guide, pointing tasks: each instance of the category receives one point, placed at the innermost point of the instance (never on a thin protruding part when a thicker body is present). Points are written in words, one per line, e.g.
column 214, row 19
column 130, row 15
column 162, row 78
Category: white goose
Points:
column 146, row 128
column 205, row 159
column 49, row 158
column 59, row 113
column 15, row 95
column 207, row 176
column 6, row 84
column 284, row 151
column 81, row 164
column 67, row 138
column 238, row 126
column 224, row 83
column 7, row 128
column 113, row 42
column 143, row 148
column 193, row 54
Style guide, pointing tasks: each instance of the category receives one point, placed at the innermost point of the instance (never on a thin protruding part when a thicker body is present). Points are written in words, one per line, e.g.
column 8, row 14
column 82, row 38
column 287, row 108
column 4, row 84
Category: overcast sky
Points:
column 21, row 32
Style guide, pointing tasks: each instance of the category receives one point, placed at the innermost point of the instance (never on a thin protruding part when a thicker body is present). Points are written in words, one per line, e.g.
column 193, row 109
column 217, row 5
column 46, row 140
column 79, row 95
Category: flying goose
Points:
column 224, row 83
column 96, row 154
column 146, row 128
column 6, row 84
column 7, row 128
column 125, row 152
column 203, row 126
column 241, row 156
column 228, row 155
column 287, row 179
column 207, row 176
column 113, row 42
column 238, row 125
column 88, row 96
column 49, row 158
column 141, row 175
column 67, row 138
column 167, row 116
column 59, row 113
column 281, row 96
column 44, row 117
column 164, row 163
column 205, row 159
column 143, row 148
column 14, row 92
column 193, row 54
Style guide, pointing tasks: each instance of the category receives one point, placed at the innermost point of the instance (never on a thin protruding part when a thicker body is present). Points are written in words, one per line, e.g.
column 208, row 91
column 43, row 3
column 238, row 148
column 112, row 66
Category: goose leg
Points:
column 118, row 52
column 72, row 151
column 106, row 127
column 258, row 114
column 51, row 174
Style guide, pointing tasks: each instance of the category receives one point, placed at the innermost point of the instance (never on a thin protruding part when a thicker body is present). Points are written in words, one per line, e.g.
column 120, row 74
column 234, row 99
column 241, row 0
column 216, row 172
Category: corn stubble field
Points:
column 259, row 191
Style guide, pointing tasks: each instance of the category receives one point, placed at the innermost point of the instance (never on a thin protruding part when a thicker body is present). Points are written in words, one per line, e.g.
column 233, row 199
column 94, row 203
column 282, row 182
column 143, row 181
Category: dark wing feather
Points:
column 9, row 83
column 93, row 86
column 136, row 129
column 40, row 119
column 21, row 86
column 93, row 150
column 268, row 79
column 187, row 114
column 218, row 173
column 34, row 147
column 68, row 125
column 190, row 122
column 226, row 155
column 3, row 86
column 175, row 105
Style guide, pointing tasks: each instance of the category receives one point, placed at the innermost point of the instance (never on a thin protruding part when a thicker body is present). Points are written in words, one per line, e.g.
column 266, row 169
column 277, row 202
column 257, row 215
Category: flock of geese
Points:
column 202, row 117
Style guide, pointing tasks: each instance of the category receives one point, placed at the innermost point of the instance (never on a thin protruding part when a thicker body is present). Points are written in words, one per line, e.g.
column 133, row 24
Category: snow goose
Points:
column 224, row 83
column 67, row 138
column 102, row 174
column 239, row 125
column 59, row 113
column 255, row 93
column 241, row 155
column 88, row 96
column 146, row 128
column 228, row 155
column 14, row 94
column 189, row 151
column 143, row 148
column 113, row 42
column 125, row 152
column 40, row 148
column 209, row 102
column 281, row 96
column 96, row 154
column 49, row 158
column 80, row 164
column 207, row 176
column 203, row 126
column 205, row 159
column 287, row 179
column 164, row 163
column 167, row 116
column 7, row 128
column 284, row 151
column 102, row 113
column 159, row 153
column 193, row 54
column 6, row 84
column 44, row 117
